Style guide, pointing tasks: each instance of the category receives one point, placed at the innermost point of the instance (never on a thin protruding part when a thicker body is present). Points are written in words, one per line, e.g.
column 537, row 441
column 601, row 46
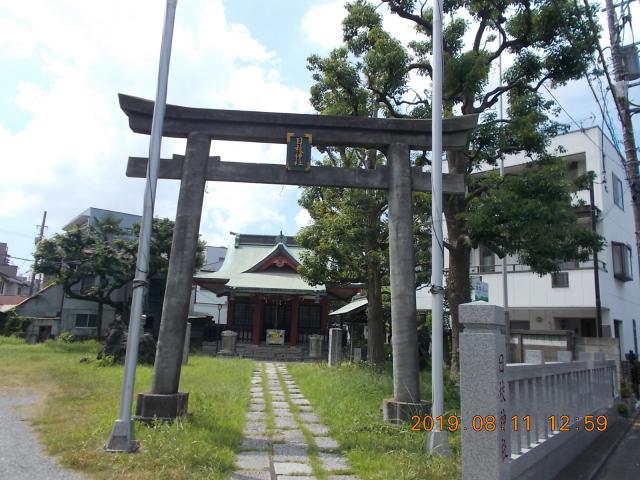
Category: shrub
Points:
column 66, row 337
column 15, row 325
column 623, row 409
column 106, row 361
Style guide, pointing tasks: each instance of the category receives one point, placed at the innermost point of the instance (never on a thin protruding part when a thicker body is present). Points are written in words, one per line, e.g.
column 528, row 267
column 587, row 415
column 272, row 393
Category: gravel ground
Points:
column 21, row 455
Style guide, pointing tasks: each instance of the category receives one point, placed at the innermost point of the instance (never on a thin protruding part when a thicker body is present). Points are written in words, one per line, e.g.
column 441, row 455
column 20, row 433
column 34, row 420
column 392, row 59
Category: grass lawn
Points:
column 80, row 402
column 348, row 400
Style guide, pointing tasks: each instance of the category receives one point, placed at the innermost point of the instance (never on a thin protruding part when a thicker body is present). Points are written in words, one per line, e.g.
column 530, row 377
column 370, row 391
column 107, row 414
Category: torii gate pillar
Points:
column 165, row 401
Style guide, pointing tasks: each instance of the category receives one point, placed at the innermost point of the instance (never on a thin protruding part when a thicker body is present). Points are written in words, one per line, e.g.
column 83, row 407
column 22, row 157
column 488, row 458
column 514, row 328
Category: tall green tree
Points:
column 93, row 262
column 550, row 43
column 348, row 239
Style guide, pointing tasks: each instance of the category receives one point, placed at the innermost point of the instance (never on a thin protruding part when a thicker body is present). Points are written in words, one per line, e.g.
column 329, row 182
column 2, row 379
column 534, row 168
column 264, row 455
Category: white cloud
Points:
column 71, row 151
column 303, row 218
column 322, row 24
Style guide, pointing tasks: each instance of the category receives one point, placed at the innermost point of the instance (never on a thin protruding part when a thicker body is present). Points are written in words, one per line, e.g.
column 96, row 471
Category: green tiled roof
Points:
column 242, row 258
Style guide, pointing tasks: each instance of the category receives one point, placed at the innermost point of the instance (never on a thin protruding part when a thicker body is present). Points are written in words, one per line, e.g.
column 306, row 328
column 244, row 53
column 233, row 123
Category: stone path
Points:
column 283, row 438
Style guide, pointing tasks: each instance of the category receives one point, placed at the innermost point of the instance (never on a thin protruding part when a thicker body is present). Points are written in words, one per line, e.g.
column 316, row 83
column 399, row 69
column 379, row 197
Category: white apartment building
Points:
column 567, row 300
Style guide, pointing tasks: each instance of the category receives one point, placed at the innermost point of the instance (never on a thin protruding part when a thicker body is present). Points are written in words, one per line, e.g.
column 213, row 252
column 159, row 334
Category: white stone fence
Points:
column 544, row 414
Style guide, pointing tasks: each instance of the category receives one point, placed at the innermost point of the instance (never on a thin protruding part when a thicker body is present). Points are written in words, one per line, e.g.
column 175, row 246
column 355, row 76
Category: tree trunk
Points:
column 375, row 323
column 458, row 288
column 99, row 321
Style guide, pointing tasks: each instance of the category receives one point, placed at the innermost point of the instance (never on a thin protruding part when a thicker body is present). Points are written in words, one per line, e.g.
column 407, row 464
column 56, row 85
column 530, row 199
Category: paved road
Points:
column 624, row 462
column 21, row 455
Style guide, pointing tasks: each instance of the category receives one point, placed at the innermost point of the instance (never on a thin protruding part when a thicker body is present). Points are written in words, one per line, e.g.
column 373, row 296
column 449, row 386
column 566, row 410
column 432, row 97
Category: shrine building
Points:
column 268, row 301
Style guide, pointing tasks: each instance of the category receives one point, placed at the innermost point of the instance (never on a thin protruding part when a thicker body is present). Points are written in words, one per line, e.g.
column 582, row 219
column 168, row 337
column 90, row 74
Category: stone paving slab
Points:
column 295, row 477
column 256, row 407
column 251, row 475
column 300, row 401
column 317, row 429
column 326, row 443
column 305, row 408
column 294, row 437
column 284, row 453
column 280, row 404
column 255, row 442
column 291, row 468
column 333, row 462
column 285, row 423
column 307, row 417
column 254, row 427
column 253, row 461
column 282, row 412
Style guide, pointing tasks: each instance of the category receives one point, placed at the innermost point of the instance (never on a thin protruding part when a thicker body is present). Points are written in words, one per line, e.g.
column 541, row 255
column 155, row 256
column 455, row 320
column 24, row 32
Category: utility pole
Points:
column 38, row 240
column 620, row 95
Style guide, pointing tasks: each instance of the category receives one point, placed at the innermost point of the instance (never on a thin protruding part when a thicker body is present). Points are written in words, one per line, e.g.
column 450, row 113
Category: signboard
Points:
column 299, row 151
column 481, row 290
column 275, row 337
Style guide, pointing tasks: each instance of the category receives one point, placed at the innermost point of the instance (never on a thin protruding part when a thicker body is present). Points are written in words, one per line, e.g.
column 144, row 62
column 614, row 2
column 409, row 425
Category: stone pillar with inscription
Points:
column 484, row 393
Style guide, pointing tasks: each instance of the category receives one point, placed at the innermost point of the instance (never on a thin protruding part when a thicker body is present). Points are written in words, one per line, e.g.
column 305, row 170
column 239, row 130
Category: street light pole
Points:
column 438, row 441
column 122, row 435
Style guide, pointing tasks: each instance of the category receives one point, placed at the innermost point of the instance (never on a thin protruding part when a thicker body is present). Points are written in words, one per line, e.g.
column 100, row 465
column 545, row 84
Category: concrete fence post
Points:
column 335, row 347
column 315, row 346
column 484, row 393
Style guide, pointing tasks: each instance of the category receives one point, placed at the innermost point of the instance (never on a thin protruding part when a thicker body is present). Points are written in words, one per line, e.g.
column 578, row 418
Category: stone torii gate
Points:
column 395, row 138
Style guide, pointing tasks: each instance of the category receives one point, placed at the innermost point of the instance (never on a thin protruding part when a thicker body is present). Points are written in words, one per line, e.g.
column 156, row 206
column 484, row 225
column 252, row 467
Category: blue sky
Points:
column 65, row 142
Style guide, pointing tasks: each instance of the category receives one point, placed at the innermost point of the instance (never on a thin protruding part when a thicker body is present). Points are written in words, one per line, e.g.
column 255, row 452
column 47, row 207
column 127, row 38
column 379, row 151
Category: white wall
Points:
column 620, row 300
column 207, row 302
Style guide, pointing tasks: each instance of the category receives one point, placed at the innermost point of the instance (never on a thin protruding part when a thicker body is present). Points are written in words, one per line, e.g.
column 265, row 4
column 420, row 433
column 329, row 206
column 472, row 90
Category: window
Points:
column 560, row 280
column 487, row 260
column 243, row 314
column 572, row 170
column 618, row 191
column 621, row 261
column 310, row 316
column 86, row 320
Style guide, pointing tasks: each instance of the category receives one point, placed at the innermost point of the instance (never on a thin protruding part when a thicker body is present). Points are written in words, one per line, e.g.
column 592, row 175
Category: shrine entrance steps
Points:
column 264, row 352
column 282, row 353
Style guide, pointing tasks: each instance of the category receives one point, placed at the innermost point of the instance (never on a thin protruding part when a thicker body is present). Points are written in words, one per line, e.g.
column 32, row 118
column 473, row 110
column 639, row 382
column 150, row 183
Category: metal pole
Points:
column 438, row 442
column 33, row 270
column 218, row 329
column 596, row 273
column 122, row 435
column 505, row 285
